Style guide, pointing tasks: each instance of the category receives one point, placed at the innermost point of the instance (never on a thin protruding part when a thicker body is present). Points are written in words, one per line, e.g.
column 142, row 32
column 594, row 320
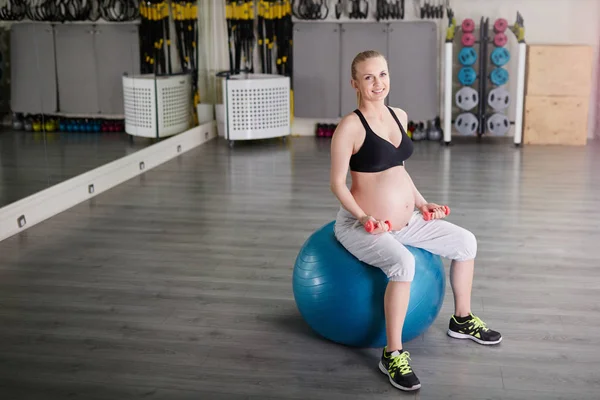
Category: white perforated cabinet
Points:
column 140, row 107
column 257, row 106
column 157, row 106
column 174, row 104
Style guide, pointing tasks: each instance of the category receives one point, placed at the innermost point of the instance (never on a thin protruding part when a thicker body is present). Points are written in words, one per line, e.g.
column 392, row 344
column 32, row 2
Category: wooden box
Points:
column 559, row 70
column 556, row 120
column 557, row 94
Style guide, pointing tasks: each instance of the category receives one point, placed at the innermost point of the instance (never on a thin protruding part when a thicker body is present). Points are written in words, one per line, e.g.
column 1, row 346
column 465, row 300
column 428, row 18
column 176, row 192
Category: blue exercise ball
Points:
column 342, row 299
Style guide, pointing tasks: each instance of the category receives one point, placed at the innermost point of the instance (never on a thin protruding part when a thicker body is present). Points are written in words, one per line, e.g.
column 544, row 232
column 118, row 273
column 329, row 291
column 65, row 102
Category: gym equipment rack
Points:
column 519, row 32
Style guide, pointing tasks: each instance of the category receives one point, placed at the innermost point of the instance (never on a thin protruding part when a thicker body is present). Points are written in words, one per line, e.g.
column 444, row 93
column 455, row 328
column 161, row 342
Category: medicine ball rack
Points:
column 498, row 77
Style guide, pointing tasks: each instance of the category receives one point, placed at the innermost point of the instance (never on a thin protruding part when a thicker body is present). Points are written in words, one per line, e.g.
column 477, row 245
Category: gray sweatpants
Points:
column 387, row 252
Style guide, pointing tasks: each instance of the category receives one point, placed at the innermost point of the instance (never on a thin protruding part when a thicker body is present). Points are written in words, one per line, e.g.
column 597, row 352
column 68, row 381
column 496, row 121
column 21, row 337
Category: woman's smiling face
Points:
column 372, row 79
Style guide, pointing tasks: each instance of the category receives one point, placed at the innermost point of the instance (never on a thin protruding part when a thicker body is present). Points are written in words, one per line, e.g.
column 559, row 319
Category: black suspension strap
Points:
column 69, row 10
column 283, row 35
column 261, row 32
column 248, row 37
column 359, row 9
column 310, row 9
column 13, row 10
column 184, row 16
column 186, row 28
column 153, row 28
column 229, row 12
column 240, row 27
column 117, row 10
column 390, row 9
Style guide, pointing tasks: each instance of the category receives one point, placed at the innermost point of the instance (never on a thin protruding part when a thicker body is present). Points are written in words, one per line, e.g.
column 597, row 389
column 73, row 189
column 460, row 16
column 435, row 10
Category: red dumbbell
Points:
column 369, row 226
column 320, row 130
column 427, row 215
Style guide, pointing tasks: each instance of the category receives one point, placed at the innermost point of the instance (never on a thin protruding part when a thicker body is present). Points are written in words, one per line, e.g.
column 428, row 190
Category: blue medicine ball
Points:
column 341, row 298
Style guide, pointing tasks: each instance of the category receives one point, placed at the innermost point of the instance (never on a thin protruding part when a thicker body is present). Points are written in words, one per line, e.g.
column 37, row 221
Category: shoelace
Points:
column 401, row 363
column 478, row 323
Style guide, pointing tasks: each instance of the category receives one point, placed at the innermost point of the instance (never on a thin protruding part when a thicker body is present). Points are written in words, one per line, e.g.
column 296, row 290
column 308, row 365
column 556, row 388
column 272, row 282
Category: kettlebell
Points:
column 434, row 131
column 49, row 126
column 36, row 125
column 331, row 129
column 410, row 128
column 419, row 133
column 17, row 124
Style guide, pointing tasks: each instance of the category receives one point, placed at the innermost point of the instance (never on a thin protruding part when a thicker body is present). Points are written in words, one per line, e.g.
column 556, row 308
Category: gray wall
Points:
column 323, row 53
column 71, row 68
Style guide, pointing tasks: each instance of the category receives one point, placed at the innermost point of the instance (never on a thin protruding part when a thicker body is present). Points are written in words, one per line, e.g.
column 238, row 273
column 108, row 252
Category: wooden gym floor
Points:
column 33, row 161
column 177, row 284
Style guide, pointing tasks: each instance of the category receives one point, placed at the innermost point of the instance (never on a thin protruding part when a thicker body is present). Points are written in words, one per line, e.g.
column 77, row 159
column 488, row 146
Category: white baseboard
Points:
column 307, row 126
column 58, row 198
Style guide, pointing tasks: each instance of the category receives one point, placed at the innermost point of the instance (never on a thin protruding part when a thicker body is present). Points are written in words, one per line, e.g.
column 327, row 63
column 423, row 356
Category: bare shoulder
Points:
column 349, row 126
column 347, row 135
column 402, row 115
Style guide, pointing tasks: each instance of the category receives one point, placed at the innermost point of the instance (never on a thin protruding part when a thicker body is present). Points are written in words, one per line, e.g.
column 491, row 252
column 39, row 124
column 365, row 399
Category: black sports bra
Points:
column 376, row 153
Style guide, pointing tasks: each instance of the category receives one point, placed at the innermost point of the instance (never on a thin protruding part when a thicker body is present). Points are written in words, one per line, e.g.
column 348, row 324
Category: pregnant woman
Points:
column 373, row 144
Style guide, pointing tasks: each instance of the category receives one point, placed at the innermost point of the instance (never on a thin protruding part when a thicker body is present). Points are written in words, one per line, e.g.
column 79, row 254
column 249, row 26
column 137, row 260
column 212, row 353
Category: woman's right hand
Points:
column 378, row 226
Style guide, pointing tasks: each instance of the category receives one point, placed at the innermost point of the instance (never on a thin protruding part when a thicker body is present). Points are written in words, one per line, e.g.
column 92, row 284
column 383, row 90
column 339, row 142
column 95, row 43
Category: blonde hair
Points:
column 360, row 57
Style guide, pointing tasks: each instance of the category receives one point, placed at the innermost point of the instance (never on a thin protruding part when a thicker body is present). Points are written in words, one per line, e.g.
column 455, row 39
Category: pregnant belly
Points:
column 386, row 195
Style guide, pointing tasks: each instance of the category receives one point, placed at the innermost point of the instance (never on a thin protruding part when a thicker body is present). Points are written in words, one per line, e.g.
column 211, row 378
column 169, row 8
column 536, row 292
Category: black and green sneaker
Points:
column 473, row 328
column 395, row 365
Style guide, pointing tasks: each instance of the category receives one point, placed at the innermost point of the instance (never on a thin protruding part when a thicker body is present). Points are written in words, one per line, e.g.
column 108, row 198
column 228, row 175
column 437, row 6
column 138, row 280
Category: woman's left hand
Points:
column 436, row 211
